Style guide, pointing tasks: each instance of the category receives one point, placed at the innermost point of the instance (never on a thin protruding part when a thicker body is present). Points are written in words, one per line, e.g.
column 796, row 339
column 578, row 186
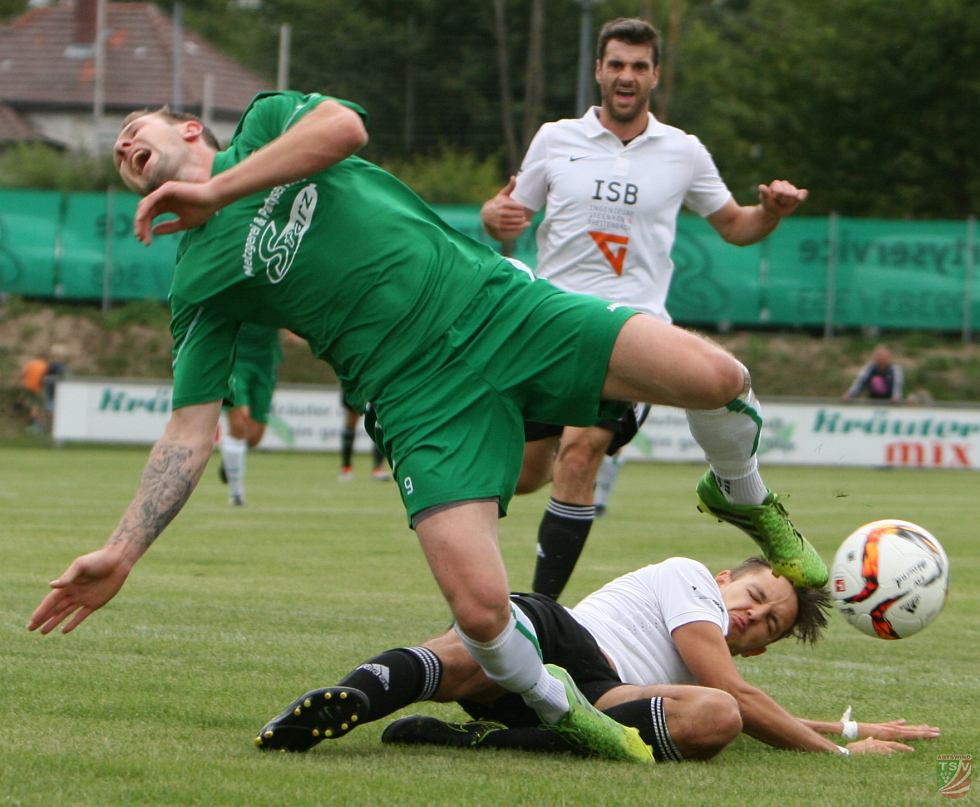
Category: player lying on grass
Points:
column 632, row 647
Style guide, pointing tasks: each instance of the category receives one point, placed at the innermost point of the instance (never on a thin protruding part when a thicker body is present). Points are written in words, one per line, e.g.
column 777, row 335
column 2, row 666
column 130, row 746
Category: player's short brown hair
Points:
column 632, row 30
column 813, row 603
column 173, row 117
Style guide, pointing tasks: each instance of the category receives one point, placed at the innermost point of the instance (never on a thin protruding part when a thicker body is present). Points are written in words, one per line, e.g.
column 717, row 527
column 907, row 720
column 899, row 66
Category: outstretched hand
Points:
column 780, row 198
column 193, row 203
column 897, row 730
column 85, row 586
column 872, row 745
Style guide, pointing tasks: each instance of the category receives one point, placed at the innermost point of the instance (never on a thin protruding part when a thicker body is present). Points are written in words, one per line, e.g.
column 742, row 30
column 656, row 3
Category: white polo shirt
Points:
column 632, row 617
column 611, row 210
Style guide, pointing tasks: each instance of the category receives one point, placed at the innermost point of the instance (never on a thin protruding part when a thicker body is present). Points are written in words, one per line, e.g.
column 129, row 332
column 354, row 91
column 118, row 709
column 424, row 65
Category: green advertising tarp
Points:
column 888, row 274
column 55, row 245
column 28, row 238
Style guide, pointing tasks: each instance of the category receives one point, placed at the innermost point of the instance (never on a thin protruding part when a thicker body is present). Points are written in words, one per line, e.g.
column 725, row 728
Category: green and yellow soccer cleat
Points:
column 768, row 524
column 587, row 729
column 322, row 714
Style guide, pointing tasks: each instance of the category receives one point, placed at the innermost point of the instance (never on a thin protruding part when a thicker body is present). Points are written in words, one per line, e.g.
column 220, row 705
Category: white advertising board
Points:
column 302, row 418
column 308, row 418
column 829, row 434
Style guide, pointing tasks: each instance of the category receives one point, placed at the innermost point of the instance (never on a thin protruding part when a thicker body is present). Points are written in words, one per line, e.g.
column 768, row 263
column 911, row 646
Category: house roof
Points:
column 44, row 65
column 14, row 129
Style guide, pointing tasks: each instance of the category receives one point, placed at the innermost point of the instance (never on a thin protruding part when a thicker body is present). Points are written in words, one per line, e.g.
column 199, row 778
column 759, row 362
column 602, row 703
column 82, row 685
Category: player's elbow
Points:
column 353, row 128
column 342, row 128
column 351, row 133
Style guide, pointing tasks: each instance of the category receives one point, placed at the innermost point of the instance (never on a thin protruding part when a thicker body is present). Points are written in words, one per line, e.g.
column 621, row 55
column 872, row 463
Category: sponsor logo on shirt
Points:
column 269, row 248
column 615, row 255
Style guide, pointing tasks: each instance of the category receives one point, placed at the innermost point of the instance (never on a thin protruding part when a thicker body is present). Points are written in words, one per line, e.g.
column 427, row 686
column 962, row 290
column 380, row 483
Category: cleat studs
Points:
column 258, row 742
column 328, row 733
column 316, row 732
column 327, row 695
column 297, row 711
column 343, row 696
column 307, row 703
column 353, row 718
column 344, row 727
column 267, row 734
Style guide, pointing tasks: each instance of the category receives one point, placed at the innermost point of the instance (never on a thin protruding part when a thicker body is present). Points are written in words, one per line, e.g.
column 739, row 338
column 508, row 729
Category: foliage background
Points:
column 872, row 105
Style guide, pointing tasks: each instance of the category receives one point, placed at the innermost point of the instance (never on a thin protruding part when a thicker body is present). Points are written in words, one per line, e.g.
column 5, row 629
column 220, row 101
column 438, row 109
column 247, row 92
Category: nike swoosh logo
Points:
column 574, row 159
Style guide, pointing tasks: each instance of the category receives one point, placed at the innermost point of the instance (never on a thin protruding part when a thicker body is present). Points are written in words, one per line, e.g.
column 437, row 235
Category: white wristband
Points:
column 849, row 729
column 843, row 751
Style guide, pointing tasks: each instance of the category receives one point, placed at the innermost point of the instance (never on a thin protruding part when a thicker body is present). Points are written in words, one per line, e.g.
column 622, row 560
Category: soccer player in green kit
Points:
column 253, row 382
column 453, row 345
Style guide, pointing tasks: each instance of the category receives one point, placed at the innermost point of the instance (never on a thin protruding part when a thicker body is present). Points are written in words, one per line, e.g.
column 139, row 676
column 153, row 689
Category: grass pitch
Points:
column 156, row 698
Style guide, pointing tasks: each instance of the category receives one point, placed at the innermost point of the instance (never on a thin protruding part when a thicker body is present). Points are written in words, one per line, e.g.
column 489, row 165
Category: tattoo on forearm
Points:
column 167, row 483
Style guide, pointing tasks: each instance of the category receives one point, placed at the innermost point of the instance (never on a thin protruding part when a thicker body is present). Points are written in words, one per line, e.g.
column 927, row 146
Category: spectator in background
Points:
column 881, row 377
column 30, row 398
column 56, row 370
column 38, row 379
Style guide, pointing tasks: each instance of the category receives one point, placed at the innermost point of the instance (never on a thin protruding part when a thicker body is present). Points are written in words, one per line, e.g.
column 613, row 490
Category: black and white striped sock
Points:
column 396, row 679
column 649, row 717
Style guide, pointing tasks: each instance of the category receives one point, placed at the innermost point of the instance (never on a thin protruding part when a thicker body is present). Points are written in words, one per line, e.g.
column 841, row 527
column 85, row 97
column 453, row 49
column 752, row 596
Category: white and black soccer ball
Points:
column 889, row 578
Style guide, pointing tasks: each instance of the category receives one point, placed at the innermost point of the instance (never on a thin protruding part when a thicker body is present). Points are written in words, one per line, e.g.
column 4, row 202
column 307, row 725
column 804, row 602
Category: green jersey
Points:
column 349, row 258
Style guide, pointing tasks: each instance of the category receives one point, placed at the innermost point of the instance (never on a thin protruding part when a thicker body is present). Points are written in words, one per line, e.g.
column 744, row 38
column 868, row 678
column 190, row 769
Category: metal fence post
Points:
column 764, row 312
column 969, row 267
column 828, row 320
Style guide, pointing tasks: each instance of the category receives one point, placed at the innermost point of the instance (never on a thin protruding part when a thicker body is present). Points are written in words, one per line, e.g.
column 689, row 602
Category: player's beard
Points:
column 620, row 114
column 166, row 168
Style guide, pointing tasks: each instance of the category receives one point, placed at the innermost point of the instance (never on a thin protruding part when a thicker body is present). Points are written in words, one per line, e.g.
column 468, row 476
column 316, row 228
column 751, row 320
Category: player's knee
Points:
column 481, row 618
column 256, row 431
column 727, row 717
column 729, row 379
column 716, row 722
column 578, row 462
column 238, row 422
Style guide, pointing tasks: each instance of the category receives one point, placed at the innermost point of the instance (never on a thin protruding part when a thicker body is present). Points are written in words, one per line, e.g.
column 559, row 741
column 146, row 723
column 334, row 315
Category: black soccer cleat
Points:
column 322, row 714
column 430, row 731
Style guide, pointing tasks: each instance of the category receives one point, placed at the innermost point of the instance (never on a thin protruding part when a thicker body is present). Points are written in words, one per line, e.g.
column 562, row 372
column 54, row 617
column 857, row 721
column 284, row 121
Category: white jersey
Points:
column 632, row 617
column 612, row 209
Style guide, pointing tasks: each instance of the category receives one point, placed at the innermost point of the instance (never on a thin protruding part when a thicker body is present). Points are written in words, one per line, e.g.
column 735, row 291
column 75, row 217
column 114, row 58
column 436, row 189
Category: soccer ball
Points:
column 889, row 578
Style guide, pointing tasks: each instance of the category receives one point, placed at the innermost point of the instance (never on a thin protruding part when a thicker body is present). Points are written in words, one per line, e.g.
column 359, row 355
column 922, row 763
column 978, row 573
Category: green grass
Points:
column 156, row 698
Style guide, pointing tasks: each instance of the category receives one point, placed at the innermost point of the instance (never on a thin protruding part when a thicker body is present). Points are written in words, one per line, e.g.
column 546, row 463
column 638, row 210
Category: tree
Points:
column 503, row 70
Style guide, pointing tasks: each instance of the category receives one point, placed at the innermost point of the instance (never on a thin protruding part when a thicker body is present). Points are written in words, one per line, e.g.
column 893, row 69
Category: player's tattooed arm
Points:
column 168, row 480
column 172, row 471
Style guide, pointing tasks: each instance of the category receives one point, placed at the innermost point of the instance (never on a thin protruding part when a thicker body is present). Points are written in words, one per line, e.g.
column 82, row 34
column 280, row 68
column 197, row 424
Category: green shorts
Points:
column 452, row 423
column 252, row 385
